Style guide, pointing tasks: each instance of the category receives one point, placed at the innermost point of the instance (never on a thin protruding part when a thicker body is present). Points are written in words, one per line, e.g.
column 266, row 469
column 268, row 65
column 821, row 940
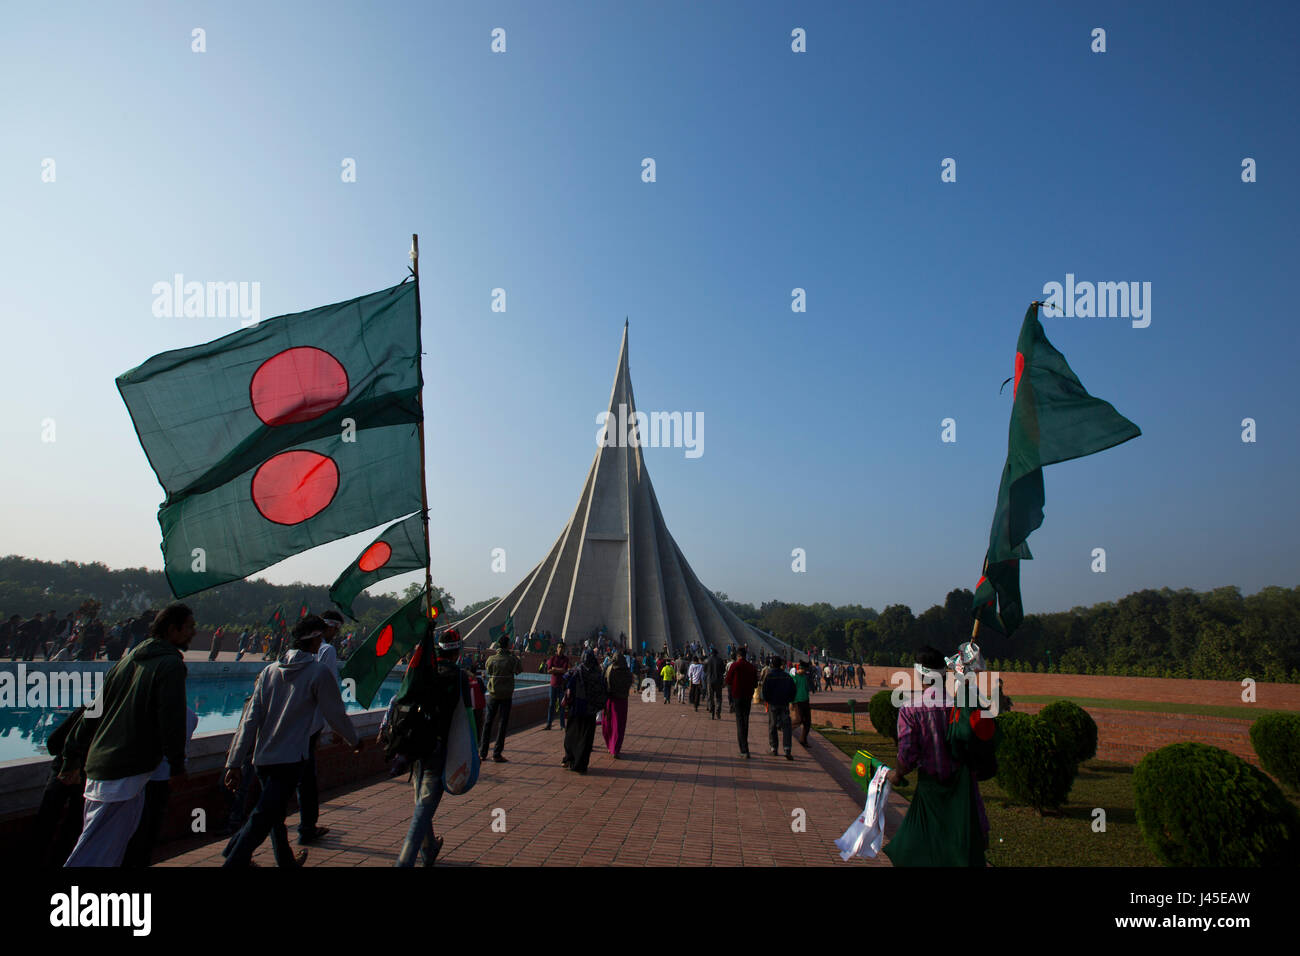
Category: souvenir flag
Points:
column 278, row 438
column 1053, row 419
column 399, row 547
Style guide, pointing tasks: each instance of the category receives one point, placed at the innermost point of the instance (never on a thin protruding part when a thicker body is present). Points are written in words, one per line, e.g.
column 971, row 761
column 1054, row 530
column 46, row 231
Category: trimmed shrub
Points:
column 884, row 715
column 1035, row 766
column 1276, row 739
column 1201, row 806
column 1074, row 727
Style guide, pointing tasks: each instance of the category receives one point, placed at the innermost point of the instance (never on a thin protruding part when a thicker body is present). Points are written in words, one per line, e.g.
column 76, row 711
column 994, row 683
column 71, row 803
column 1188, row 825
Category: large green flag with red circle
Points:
column 392, row 640
column 278, row 438
column 400, row 547
column 1053, row 419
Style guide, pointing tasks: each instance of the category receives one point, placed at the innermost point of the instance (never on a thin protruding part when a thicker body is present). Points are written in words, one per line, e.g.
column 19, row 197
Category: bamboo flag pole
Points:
column 424, row 479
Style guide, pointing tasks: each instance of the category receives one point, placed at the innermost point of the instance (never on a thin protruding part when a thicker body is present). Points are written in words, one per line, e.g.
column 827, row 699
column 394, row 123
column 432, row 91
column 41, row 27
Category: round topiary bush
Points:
column 884, row 715
column 1035, row 766
column 1276, row 739
column 1201, row 806
column 1074, row 727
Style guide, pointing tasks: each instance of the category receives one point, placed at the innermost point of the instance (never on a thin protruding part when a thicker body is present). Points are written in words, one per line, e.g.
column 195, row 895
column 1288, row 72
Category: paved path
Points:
column 679, row 796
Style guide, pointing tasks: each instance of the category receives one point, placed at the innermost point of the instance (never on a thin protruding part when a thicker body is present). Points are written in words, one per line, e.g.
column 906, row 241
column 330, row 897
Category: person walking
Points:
column 438, row 685
column 741, row 680
column 618, row 684
column 803, row 702
column 778, row 692
column 142, row 721
column 714, row 673
column 695, row 674
column 277, row 729
column 585, row 696
column 668, row 674
column 218, row 636
column 557, row 665
column 946, row 824
column 501, row 670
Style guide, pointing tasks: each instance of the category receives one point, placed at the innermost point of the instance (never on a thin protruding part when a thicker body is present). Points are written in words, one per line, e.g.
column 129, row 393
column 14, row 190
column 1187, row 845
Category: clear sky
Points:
column 775, row 170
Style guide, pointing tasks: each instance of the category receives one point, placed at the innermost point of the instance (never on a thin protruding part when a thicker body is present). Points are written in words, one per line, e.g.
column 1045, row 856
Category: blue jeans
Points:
column 278, row 783
column 427, row 777
column 557, row 702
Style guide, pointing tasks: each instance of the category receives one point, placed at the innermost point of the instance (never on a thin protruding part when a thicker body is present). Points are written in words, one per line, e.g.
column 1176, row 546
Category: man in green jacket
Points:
column 141, row 719
column 501, row 670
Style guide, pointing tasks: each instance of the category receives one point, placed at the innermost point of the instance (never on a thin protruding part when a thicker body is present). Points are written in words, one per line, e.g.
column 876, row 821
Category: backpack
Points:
column 423, row 713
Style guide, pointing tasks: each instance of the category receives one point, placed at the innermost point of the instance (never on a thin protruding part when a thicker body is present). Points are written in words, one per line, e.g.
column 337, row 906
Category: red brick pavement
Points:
column 680, row 795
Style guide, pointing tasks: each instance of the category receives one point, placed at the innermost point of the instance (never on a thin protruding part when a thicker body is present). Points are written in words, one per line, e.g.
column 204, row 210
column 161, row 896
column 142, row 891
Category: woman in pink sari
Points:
column 618, row 682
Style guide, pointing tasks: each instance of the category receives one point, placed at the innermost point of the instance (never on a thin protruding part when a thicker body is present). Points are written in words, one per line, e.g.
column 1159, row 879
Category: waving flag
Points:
column 504, row 630
column 392, row 640
column 400, row 547
column 1053, row 419
column 275, row 439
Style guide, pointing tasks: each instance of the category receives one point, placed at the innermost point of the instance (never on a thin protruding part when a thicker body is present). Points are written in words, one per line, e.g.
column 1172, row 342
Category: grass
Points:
column 1018, row 836
column 1244, row 712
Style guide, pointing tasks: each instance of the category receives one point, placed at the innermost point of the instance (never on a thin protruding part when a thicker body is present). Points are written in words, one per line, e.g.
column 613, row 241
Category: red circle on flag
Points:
column 1020, row 367
column 861, row 768
column 294, row 486
column 375, row 557
column 297, row 385
column 385, row 642
column 983, row 728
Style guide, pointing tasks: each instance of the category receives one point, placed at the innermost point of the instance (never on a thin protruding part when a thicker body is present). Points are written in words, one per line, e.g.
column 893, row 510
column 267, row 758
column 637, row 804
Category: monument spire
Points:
column 615, row 564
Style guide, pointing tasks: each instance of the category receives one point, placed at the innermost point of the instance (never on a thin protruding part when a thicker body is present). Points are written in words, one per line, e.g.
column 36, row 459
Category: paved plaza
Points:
column 680, row 795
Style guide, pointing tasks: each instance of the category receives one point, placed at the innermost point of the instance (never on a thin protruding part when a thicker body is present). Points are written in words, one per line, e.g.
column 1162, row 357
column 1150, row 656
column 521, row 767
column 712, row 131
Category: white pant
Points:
column 105, row 832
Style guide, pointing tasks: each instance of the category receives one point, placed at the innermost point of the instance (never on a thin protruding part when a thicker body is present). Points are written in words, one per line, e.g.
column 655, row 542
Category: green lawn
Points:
column 1244, row 712
column 1018, row 836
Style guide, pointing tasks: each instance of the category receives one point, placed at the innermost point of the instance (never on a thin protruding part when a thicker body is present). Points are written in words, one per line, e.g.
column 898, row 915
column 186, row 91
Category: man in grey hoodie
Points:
column 277, row 727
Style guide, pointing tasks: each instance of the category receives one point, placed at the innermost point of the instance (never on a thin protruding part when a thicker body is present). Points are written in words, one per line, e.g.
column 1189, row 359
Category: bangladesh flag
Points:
column 505, row 630
column 275, row 623
column 275, row 439
column 400, row 547
column 1053, row 419
column 394, row 639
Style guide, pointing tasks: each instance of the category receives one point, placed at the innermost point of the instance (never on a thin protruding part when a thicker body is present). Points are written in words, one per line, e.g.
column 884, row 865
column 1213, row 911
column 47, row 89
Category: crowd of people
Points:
column 116, row 769
column 72, row 637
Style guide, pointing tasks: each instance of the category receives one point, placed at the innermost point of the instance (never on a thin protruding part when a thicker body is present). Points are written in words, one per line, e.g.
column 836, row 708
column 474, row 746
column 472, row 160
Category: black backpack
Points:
column 422, row 717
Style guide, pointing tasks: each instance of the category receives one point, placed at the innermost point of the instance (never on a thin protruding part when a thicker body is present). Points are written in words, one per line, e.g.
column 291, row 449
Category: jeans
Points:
column 495, row 708
column 742, row 724
column 715, row 699
column 557, row 703
column 426, row 776
column 778, row 719
column 308, row 794
column 278, row 783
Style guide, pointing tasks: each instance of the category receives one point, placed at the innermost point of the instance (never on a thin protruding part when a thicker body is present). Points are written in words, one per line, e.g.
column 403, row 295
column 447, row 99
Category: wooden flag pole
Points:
column 424, row 479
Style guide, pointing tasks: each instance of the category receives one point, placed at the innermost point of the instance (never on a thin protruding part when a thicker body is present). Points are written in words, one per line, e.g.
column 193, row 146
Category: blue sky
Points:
column 775, row 170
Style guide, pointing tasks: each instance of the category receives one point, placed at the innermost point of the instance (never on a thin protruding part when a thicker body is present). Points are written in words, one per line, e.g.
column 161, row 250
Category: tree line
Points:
column 1215, row 635
column 1212, row 635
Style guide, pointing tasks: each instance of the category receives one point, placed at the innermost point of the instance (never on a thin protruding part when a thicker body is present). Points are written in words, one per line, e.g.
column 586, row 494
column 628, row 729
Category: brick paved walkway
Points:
column 679, row 796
